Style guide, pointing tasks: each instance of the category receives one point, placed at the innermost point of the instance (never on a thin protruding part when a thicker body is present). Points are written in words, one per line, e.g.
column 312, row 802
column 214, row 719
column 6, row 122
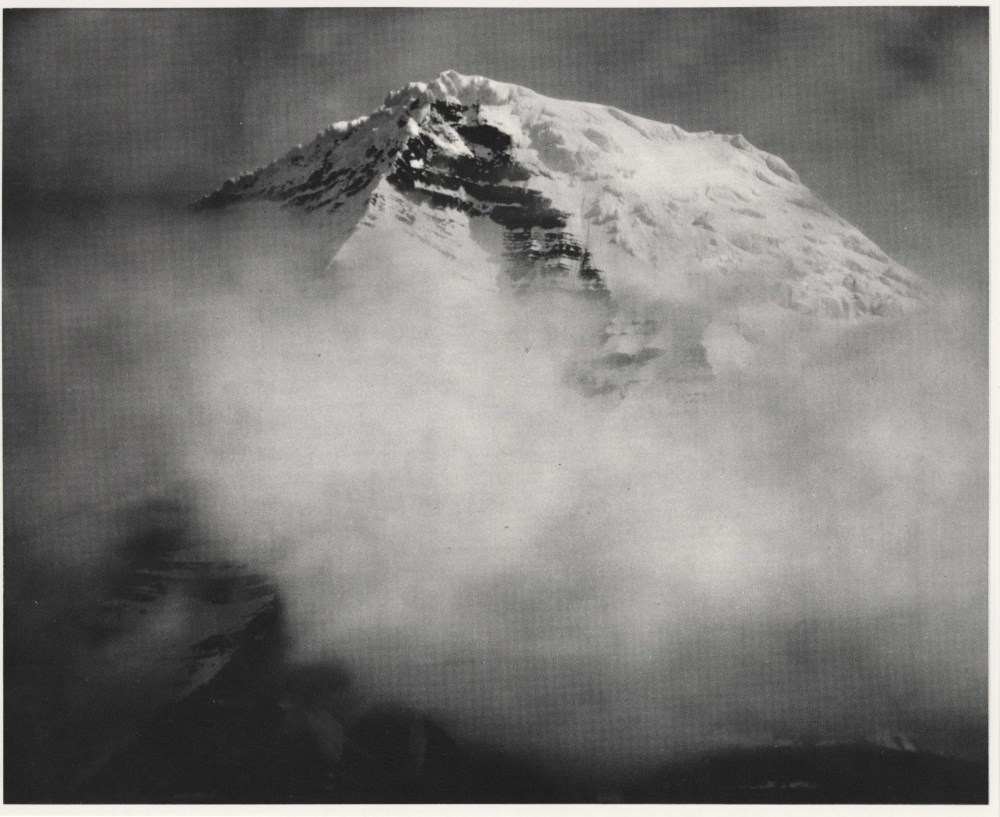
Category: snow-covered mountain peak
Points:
column 451, row 86
column 541, row 192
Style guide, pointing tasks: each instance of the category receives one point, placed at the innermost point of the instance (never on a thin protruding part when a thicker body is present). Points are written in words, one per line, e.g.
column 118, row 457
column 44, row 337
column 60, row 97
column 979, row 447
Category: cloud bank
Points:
column 795, row 548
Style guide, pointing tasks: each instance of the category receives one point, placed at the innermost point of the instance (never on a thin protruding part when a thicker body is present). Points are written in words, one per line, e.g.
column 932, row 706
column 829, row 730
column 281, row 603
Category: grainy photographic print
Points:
column 498, row 405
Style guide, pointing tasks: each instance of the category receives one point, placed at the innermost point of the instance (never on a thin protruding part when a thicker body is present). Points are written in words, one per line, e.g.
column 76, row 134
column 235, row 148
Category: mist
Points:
column 794, row 549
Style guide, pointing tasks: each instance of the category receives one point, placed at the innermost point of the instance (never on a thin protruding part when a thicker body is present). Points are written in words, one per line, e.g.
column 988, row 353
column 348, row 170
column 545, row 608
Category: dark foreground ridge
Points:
column 236, row 721
column 262, row 731
column 251, row 736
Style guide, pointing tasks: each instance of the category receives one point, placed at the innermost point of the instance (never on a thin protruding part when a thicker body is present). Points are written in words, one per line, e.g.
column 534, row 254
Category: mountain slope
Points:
column 587, row 196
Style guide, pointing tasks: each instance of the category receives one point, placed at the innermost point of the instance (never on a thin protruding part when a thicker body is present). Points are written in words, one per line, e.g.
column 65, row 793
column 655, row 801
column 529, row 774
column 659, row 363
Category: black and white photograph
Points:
column 496, row 405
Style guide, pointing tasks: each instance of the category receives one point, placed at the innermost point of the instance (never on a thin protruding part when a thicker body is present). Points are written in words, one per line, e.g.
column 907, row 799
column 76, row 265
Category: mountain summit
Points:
column 583, row 197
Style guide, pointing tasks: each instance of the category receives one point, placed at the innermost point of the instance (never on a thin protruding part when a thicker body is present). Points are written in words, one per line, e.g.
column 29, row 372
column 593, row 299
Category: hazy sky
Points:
column 882, row 111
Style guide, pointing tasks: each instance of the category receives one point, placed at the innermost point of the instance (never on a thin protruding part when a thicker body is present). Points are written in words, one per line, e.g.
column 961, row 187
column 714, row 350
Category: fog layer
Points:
column 795, row 549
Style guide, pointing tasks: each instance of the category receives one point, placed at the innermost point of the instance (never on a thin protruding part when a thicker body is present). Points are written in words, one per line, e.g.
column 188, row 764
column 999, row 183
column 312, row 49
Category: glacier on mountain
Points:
column 587, row 196
column 550, row 194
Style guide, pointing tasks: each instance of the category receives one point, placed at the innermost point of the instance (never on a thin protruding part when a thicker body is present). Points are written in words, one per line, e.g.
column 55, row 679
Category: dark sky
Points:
column 882, row 111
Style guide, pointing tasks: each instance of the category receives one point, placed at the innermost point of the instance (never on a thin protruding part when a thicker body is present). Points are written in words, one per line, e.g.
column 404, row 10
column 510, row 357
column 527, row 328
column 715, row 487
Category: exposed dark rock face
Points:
column 329, row 186
column 537, row 246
